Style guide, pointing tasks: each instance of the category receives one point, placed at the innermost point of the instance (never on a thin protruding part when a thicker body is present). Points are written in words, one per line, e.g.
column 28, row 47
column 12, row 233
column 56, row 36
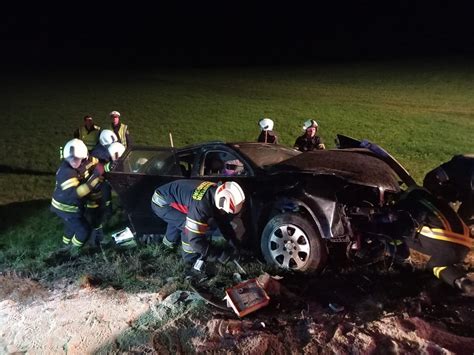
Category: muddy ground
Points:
column 368, row 310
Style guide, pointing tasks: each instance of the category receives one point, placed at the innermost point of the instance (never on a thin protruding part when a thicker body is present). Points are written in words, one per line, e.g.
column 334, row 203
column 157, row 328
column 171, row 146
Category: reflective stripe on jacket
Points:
column 64, row 207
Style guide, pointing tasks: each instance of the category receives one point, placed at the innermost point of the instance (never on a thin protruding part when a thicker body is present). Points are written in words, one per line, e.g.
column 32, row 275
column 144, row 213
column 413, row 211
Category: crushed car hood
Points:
column 358, row 165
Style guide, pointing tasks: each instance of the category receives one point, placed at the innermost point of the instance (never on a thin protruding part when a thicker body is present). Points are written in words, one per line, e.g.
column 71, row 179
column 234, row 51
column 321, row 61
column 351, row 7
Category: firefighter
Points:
column 99, row 202
column 76, row 178
column 106, row 138
column 101, row 152
column 453, row 181
column 191, row 207
column 309, row 140
column 120, row 129
column 430, row 226
column 267, row 135
column 88, row 133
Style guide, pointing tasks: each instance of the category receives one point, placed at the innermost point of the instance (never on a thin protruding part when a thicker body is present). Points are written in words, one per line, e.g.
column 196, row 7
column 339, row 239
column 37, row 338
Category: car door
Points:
column 220, row 163
column 136, row 176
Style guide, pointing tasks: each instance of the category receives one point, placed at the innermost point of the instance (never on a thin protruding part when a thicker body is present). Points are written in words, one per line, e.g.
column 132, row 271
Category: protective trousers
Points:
column 175, row 223
column 443, row 254
column 76, row 228
column 188, row 253
column 106, row 199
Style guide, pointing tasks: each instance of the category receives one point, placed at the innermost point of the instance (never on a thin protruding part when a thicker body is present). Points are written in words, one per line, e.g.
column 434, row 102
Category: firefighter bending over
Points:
column 77, row 177
column 191, row 207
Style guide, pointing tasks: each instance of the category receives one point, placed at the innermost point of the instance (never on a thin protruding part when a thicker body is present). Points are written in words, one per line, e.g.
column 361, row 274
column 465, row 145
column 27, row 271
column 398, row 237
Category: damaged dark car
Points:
column 297, row 204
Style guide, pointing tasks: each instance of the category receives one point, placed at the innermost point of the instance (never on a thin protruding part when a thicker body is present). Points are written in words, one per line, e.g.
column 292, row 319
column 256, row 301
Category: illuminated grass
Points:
column 423, row 113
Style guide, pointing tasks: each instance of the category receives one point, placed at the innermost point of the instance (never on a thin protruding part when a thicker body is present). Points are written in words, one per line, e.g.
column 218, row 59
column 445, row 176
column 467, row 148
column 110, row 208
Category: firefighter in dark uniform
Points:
column 309, row 140
column 267, row 135
column 99, row 202
column 453, row 181
column 433, row 228
column 191, row 207
column 120, row 129
column 76, row 178
column 88, row 133
column 101, row 152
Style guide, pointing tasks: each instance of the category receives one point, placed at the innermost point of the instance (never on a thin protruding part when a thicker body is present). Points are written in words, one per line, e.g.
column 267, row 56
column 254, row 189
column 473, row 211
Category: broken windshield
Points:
column 266, row 154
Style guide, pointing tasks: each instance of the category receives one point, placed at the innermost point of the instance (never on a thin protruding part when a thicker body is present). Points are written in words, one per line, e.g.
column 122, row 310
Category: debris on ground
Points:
column 246, row 297
column 396, row 311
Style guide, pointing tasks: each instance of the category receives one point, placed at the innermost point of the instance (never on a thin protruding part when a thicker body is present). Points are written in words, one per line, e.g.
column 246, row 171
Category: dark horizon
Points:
column 207, row 36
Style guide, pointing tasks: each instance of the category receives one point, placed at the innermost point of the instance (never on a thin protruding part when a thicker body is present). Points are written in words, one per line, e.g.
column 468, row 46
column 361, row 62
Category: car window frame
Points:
column 222, row 149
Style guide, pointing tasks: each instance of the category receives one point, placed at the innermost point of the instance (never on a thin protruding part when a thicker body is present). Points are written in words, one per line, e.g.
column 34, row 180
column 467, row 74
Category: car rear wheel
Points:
column 290, row 241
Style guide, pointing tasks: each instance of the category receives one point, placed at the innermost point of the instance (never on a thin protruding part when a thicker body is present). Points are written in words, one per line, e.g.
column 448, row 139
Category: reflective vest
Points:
column 121, row 134
column 90, row 138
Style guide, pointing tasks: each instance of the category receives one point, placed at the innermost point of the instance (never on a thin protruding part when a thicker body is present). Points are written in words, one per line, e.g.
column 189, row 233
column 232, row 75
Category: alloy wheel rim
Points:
column 289, row 247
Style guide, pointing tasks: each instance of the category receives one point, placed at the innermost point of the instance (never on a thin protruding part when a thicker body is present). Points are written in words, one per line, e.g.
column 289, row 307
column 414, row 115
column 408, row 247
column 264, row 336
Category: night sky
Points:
column 231, row 33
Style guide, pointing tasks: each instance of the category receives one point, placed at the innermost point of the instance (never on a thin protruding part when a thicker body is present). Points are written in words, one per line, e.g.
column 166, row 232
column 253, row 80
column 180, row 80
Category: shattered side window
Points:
column 151, row 162
column 221, row 163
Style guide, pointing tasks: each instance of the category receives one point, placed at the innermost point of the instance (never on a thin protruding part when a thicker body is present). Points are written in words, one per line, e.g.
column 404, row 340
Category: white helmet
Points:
column 229, row 197
column 114, row 113
column 75, row 148
column 266, row 124
column 309, row 123
column 107, row 137
column 116, row 150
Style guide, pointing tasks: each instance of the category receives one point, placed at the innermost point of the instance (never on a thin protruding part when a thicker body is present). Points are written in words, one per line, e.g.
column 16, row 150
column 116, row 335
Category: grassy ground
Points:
column 422, row 112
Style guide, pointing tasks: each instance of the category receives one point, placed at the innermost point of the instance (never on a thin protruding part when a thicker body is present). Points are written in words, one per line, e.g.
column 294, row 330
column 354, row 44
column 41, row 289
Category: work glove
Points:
column 98, row 170
column 81, row 170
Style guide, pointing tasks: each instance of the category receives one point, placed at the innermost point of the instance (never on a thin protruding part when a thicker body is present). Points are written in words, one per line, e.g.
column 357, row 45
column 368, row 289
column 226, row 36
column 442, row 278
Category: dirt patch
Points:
column 365, row 310
column 20, row 289
column 68, row 319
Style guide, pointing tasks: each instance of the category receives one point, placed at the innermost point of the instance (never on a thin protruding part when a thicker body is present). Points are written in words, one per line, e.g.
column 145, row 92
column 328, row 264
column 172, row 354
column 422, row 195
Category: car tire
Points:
column 290, row 241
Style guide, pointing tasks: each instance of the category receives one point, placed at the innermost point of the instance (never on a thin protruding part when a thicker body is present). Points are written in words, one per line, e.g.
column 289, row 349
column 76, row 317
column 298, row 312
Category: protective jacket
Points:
column 101, row 153
column 268, row 137
column 72, row 185
column 101, row 200
column 195, row 199
column 121, row 130
column 305, row 143
column 90, row 137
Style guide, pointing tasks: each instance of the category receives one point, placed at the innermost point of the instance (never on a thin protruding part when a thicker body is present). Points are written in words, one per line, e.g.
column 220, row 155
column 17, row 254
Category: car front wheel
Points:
column 290, row 241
